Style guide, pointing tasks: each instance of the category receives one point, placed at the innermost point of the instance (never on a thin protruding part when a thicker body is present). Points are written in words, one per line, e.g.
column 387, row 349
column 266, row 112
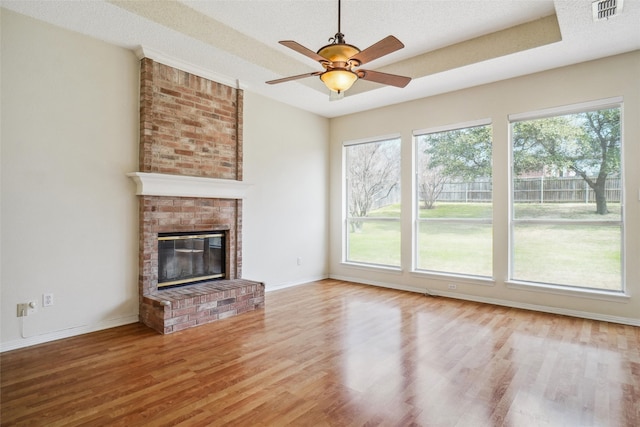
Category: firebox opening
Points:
column 192, row 257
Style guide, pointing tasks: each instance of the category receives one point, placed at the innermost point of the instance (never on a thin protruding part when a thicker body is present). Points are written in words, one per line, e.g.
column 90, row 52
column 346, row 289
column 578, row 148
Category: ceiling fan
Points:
column 340, row 62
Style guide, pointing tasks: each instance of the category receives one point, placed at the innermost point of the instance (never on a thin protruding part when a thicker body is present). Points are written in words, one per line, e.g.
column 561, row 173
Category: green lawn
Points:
column 572, row 254
column 574, row 211
column 455, row 247
column 578, row 255
column 458, row 210
column 378, row 242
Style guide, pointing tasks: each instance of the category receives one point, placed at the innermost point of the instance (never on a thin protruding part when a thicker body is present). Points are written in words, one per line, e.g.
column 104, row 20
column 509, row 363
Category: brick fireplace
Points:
column 190, row 180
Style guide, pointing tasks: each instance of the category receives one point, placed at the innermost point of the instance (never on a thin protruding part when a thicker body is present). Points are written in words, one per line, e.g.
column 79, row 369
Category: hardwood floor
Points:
column 332, row 353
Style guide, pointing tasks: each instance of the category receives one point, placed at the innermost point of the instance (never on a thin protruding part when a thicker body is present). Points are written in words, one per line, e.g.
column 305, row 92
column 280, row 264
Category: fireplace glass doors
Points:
column 189, row 258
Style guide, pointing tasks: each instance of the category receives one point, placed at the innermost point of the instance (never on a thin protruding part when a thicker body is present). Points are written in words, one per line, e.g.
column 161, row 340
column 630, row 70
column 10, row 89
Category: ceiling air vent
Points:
column 605, row 9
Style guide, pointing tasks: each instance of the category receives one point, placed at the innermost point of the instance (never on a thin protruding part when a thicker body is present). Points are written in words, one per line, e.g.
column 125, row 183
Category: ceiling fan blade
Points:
column 383, row 47
column 384, row 78
column 299, row 76
column 303, row 50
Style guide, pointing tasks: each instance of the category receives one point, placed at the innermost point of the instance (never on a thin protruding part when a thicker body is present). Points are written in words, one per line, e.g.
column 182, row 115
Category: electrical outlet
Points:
column 299, row 261
column 453, row 286
column 47, row 300
column 25, row 309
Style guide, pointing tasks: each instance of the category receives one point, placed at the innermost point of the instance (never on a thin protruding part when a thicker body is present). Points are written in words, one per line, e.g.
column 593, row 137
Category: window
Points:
column 453, row 200
column 372, row 180
column 567, row 226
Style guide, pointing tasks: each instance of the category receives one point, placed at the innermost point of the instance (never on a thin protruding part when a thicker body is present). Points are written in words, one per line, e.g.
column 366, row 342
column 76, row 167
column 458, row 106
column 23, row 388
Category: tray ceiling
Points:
column 449, row 45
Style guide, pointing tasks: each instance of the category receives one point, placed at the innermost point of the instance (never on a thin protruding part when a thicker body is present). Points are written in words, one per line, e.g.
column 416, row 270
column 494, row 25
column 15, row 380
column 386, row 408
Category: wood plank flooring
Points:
column 333, row 353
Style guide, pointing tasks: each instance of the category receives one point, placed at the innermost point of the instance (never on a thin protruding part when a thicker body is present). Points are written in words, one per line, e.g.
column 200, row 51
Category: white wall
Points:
column 606, row 78
column 69, row 213
column 286, row 159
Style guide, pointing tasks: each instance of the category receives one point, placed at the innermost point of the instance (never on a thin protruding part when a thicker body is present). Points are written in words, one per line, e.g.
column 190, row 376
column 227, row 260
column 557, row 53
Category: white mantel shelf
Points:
column 158, row 184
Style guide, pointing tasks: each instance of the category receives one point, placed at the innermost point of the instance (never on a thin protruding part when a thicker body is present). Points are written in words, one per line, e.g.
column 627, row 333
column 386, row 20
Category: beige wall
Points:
column 69, row 213
column 286, row 160
column 606, row 78
column 69, row 136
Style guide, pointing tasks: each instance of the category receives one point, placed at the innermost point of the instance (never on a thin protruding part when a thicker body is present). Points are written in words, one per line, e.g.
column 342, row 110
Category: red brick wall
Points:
column 181, row 308
column 189, row 125
column 160, row 214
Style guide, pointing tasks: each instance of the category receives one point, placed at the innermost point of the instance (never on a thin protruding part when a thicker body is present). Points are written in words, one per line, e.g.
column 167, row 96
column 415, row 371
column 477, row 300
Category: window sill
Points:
column 377, row 267
column 457, row 278
column 574, row 292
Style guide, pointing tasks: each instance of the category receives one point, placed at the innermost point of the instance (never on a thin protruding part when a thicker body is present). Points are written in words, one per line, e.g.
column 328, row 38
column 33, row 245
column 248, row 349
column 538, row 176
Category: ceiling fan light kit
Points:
column 340, row 61
column 338, row 80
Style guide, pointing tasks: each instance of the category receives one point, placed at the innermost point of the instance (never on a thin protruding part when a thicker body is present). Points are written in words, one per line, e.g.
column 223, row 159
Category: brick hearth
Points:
column 190, row 126
column 175, row 309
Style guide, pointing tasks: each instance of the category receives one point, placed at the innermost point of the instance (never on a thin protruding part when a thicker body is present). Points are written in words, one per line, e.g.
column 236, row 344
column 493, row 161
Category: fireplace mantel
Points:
column 158, row 184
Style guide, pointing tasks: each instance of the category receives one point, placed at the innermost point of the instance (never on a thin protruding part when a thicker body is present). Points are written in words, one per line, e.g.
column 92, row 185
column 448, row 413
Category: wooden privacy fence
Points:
column 526, row 190
column 474, row 191
column 533, row 190
column 558, row 190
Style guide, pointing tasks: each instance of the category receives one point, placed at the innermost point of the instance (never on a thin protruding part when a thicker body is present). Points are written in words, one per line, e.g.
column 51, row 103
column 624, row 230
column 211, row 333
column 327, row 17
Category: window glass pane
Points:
column 454, row 193
column 373, row 202
column 463, row 248
column 569, row 254
column 375, row 241
column 567, row 190
column 565, row 211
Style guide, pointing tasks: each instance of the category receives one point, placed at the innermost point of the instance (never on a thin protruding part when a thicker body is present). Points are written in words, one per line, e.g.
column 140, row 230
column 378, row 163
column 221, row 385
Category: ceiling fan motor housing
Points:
column 338, row 52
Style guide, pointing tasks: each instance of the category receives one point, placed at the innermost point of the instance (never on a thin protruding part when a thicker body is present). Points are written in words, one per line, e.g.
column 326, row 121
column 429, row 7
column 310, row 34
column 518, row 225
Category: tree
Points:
column 601, row 150
column 431, row 182
column 462, row 153
column 586, row 143
column 372, row 172
column 456, row 154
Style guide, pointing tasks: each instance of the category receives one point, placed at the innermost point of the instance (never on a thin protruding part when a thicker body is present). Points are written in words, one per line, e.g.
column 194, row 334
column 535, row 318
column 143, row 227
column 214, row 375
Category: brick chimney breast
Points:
column 190, row 126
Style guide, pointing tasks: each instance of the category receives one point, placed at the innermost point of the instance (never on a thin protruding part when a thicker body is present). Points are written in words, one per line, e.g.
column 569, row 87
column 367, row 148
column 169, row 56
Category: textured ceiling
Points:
column 449, row 45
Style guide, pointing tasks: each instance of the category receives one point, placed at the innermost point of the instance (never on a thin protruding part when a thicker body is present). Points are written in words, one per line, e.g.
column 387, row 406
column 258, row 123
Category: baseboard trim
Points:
column 504, row 303
column 67, row 333
column 380, row 284
column 270, row 287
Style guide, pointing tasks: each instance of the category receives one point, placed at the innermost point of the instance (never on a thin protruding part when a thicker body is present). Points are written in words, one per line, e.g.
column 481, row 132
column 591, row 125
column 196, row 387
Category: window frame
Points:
column 415, row 206
column 345, row 202
column 562, row 289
